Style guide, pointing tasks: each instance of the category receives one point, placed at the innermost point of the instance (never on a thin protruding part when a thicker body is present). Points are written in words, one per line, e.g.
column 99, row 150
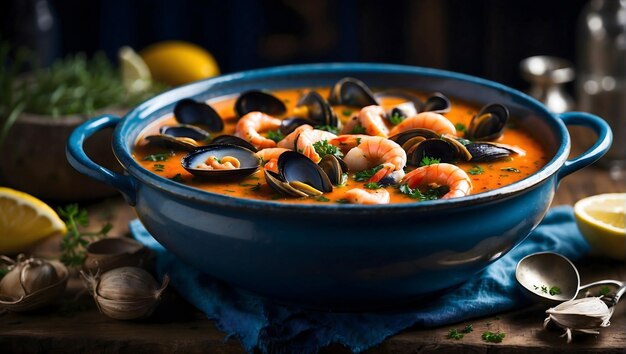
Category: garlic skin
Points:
column 125, row 293
column 32, row 283
column 586, row 315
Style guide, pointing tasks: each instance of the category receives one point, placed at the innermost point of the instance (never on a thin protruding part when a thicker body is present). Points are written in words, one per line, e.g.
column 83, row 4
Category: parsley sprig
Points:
column 365, row 175
column 74, row 242
column 492, row 337
column 429, row 194
column 275, row 135
column 323, row 148
column 426, row 161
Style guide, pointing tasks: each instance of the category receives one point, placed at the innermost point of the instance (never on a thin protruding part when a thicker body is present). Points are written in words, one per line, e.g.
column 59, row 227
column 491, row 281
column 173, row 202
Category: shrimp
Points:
column 306, row 139
column 289, row 142
column 250, row 125
column 270, row 156
column 225, row 163
column 371, row 119
column 372, row 151
column 367, row 196
column 440, row 174
column 347, row 141
column 427, row 120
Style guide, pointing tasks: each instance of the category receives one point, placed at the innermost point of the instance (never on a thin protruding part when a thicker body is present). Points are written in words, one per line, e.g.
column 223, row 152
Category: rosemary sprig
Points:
column 74, row 242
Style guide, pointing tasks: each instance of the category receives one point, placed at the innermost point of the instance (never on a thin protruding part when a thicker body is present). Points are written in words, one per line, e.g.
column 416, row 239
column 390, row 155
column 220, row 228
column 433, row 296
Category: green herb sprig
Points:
column 492, row 337
column 275, row 135
column 74, row 242
column 365, row 175
column 323, row 148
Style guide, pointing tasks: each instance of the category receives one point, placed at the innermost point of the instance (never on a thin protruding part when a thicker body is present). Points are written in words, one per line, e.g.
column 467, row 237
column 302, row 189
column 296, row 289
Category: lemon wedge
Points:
column 136, row 76
column 25, row 220
column 601, row 220
column 178, row 62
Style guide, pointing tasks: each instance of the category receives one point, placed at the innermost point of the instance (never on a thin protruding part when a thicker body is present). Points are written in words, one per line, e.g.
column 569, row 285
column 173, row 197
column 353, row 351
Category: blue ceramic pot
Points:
column 333, row 255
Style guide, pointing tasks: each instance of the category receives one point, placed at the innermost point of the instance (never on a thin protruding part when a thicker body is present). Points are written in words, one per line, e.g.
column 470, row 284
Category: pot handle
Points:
column 601, row 146
column 82, row 163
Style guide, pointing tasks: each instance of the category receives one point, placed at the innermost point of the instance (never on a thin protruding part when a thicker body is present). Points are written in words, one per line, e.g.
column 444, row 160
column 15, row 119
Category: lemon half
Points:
column 136, row 75
column 178, row 62
column 601, row 219
column 25, row 220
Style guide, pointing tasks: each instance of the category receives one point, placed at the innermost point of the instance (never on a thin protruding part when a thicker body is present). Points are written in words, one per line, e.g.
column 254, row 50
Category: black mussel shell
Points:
column 261, row 101
column 433, row 148
column 247, row 158
column 185, row 131
column 489, row 123
column 188, row 111
column 295, row 167
column 335, row 168
column 485, row 152
column 318, row 109
column 233, row 140
column 275, row 181
column 351, row 92
column 410, row 107
column 437, row 103
column 172, row 142
column 288, row 125
column 403, row 137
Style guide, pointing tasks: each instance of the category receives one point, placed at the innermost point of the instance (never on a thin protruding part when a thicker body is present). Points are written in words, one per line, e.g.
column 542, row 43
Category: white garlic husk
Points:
column 32, row 283
column 586, row 315
column 125, row 293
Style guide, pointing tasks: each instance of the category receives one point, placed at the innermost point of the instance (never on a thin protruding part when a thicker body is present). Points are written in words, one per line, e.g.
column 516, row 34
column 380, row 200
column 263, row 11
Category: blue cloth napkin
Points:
column 267, row 327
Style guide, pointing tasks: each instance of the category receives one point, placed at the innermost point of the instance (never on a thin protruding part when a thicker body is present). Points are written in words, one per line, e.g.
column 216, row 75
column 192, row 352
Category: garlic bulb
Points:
column 586, row 315
column 32, row 283
column 125, row 293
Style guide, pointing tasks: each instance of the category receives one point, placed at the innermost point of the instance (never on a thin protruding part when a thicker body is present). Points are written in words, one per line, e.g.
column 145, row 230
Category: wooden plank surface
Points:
column 177, row 327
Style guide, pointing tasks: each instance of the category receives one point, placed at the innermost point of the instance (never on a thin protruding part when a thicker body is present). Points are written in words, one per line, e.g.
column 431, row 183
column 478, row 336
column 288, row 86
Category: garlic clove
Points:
column 586, row 315
column 127, row 283
column 39, row 297
column 37, row 274
column 125, row 293
column 115, row 252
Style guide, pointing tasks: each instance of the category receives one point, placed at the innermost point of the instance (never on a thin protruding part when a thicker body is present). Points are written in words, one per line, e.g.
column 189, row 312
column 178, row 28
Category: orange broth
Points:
column 494, row 174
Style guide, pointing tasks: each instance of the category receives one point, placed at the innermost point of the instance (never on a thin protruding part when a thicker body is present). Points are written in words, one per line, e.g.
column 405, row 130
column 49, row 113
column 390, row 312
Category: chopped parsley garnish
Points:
column 158, row 167
column 455, row 334
column 322, row 199
column 554, row 290
column 178, row 178
column 430, row 194
column 275, row 135
column 365, row 175
column 605, row 290
column 346, row 112
column 460, row 127
column 342, row 201
column 323, row 148
column 429, row 161
column 358, row 141
column 510, row 169
column 157, row 157
column 373, row 185
column 476, row 170
column 493, row 337
column 396, row 118
column 328, row 128
column 358, row 129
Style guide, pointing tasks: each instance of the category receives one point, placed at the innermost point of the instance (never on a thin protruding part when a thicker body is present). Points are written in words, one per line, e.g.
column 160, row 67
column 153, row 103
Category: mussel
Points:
column 351, row 92
column 179, row 137
column 489, row 123
column 298, row 176
column 420, row 143
column 288, row 125
column 257, row 100
column 437, row 103
column 188, row 111
column 486, row 152
column 246, row 162
column 233, row 140
column 335, row 168
column 317, row 109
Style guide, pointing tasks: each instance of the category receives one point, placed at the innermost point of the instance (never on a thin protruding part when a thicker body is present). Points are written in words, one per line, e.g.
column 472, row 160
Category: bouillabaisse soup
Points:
column 373, row 147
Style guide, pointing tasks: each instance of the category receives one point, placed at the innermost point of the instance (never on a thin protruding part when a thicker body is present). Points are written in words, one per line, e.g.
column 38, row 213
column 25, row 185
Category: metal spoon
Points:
column 552, row 279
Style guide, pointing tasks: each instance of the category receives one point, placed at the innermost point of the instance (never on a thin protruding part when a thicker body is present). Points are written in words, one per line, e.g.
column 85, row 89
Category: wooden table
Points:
column 177, row 327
